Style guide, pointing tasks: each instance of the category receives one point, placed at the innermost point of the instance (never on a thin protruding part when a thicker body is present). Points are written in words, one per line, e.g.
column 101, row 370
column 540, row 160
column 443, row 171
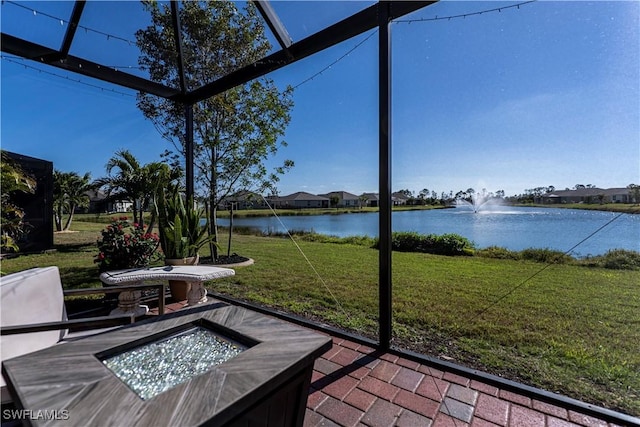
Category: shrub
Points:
column 124, row 245
column 498, row 252
column 410, row 242
column 358, row 240
column 453, row 244
column 620, row 259
column 546, row 255
column 446, row 244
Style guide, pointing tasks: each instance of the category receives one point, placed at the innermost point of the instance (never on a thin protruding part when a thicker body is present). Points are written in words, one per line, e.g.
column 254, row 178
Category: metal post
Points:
column 384, row 105
column 188, row 150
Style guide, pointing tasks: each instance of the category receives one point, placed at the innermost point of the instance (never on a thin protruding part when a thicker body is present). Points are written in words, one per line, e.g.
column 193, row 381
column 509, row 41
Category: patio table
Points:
column 143, row 374
column 129, row 301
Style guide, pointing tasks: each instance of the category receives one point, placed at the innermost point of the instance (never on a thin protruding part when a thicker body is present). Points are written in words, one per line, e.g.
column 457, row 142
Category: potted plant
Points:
column 183, row 231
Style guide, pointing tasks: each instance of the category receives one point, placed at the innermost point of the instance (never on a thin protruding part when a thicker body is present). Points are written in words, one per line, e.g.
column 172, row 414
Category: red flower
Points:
column 124, row 246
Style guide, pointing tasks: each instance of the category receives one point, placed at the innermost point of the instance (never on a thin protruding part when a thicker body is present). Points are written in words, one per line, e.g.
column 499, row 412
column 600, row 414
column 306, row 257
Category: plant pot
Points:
column 179, row 288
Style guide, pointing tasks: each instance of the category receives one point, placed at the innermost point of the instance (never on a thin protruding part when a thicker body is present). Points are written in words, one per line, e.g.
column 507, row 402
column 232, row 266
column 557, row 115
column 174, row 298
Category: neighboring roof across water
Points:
column 300, row 195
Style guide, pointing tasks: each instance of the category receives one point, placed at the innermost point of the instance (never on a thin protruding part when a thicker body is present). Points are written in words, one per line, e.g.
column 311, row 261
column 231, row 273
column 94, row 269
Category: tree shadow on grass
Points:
column 85, row 278
column 75, row 247
column 80, row 277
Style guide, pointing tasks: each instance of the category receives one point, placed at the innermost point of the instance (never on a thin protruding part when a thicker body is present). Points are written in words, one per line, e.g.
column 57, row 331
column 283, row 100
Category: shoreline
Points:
column 252, row 213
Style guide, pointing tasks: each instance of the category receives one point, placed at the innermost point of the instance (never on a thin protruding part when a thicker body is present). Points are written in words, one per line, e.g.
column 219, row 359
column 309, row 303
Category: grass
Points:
column 565, row 328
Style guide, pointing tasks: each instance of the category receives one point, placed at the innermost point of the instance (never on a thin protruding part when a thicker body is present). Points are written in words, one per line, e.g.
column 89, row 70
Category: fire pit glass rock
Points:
column 161, row 365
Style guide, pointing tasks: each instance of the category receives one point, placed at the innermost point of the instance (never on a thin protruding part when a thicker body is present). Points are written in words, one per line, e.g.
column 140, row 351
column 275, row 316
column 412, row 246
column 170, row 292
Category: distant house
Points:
column 399, row 199
column 299, row 200
column 371, row 200
column 99, row 202
column 243, row 200
column 345, row 199
column 588, row 195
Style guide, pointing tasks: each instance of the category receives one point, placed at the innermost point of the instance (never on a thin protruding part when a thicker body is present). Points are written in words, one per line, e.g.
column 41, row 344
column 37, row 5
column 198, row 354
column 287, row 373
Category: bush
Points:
column 453, row 244
column 410, row 242
column 125, row 245
column 446, row 244
column 498, row 252
column 547, row 256
column 617, row 259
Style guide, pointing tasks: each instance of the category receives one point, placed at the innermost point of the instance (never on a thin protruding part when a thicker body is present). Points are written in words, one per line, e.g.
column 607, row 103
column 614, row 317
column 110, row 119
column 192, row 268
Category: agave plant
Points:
column 181, row 226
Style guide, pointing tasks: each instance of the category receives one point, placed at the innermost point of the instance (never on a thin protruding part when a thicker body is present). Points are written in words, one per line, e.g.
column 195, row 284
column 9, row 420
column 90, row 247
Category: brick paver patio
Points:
column 355, row 385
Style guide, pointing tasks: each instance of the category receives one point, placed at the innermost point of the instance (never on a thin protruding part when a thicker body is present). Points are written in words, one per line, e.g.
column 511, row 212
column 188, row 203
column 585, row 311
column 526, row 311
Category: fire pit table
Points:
column 213, row 364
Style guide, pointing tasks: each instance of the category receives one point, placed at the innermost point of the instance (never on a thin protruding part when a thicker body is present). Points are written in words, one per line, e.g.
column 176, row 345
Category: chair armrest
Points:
column 90, row 323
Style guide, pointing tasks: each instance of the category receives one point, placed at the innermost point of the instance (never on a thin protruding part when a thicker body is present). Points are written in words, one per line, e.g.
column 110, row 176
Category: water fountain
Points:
column 478, row 201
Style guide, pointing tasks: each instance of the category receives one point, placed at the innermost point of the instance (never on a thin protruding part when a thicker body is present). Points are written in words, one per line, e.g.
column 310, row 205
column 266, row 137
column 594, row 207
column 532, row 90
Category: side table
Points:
column 129, row 301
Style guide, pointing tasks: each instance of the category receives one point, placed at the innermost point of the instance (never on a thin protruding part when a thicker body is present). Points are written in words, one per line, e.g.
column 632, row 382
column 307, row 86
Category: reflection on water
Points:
column 514, row 228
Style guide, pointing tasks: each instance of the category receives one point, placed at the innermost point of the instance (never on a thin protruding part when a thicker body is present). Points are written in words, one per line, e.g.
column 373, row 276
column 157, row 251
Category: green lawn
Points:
column 565, row 328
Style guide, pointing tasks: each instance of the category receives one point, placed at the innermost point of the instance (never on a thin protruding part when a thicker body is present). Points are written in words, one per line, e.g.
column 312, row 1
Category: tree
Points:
column 406, row 192
column 69, row 193
column 58, row 198
column 77, row 196
column 129, row 180
column 334, row 200
column 363, row 199
column 234, row 132
column 159, row 176
column 14, row 180
column 423, row 195
column 634, row 192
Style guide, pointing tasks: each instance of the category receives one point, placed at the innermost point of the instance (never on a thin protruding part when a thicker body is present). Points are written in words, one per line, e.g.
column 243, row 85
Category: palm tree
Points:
column 69, row 193
column 76, row 194
column 127, row 183
column 59, row 202
column 159, row 176
column 135, row 182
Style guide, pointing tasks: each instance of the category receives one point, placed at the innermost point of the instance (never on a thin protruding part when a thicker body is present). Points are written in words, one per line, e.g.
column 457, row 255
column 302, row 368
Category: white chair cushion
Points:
column 30, row 297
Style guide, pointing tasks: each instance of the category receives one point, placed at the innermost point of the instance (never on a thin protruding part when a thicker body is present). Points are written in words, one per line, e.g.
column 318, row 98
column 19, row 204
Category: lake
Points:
column 515, row 228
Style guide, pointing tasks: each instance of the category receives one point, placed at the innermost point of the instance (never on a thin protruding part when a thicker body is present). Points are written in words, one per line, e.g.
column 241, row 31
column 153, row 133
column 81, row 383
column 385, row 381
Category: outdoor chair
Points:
column 33, row 314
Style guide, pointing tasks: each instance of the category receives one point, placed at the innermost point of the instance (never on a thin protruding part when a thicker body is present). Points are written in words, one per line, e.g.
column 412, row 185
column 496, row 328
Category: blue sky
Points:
column 545, row 94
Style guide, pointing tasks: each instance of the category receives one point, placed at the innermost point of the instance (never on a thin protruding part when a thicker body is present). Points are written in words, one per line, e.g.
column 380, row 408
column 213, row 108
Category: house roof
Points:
column 399, row 196
column 96, row 195
column 300, row 195
column 343, row 195
column 244, row 195
column 371, row 196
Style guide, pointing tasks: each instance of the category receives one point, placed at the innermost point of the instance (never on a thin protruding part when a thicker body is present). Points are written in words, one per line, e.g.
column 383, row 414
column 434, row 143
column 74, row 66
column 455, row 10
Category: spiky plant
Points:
column 182, row 227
